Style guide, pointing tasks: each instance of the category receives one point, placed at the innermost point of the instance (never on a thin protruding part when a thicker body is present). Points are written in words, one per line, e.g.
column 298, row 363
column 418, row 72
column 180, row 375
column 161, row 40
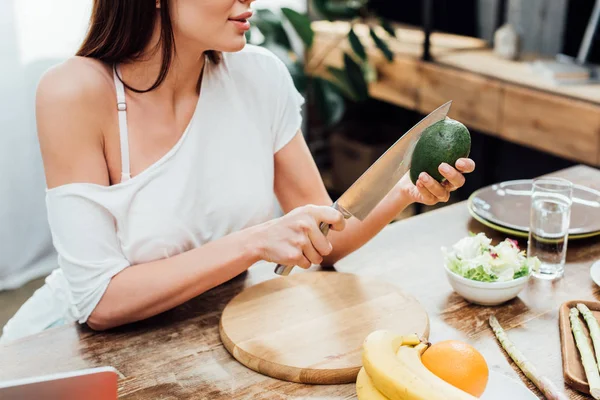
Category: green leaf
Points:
column 479, row 274
column 387, row 26
column 356, row 77
column 523, row 271
column 271, row 27
column 321, row 8
column 369, row 72
column 356, row 45
column 344, row 10
column 301, row 25
column 329, row 102
column 341, row 9
column 382, row 46
column 342, row 82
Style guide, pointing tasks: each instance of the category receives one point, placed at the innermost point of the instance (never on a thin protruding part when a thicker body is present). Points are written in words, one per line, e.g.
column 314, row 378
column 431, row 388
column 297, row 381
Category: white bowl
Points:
column 486, row 293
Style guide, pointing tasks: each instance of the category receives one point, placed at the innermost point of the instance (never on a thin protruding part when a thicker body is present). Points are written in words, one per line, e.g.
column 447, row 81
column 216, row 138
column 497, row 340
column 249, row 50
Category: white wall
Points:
column 34, row 34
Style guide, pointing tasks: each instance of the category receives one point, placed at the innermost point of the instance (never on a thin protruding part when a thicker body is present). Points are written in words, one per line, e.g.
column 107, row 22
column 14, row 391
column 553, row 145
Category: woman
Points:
column 163, row 143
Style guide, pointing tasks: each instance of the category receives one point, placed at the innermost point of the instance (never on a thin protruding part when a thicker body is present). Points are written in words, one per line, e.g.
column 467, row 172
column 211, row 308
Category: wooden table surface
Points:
column 178, row 354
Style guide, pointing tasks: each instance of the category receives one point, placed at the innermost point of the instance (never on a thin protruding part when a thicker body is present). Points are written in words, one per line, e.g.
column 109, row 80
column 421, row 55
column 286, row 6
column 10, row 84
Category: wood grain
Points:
column 563, row 127
column 476, row 100
column 309, row 328
column 179, row 355
column 398, row 82
column 572, row 367
column 519, row 73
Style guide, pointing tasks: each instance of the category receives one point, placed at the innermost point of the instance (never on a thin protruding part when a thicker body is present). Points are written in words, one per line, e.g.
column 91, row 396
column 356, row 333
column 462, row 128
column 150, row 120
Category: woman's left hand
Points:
column 428, row 191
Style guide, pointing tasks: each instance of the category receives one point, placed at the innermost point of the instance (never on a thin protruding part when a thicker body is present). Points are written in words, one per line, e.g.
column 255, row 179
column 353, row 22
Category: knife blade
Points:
column 376, row 182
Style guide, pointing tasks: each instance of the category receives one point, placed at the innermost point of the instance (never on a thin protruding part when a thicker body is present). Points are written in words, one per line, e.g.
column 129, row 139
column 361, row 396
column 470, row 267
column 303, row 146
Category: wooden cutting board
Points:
column 573, row 371
column 309, row 327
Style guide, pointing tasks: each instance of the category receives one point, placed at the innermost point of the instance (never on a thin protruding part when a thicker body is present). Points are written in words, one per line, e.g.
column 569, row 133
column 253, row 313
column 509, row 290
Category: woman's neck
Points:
column 184, row 71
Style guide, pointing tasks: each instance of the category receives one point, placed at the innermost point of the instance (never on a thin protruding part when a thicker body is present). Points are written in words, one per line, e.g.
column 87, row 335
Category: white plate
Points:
column 501, row 387
column 595, row 272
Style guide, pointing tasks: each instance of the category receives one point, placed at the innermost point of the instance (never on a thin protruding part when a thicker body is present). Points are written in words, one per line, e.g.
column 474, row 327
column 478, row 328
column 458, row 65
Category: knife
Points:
column 376, row 182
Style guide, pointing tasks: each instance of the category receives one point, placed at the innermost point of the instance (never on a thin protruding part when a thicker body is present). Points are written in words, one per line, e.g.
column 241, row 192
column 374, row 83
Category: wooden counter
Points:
column 496, row 96
column 178, row 354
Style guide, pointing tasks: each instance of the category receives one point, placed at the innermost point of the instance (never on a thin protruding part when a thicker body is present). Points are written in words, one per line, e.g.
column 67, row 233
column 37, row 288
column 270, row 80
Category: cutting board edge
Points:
column 306, row 374
column 287, row 373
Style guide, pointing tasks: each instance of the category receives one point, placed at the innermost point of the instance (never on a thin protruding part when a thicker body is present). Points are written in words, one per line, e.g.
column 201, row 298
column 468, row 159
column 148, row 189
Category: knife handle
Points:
column 284, row 270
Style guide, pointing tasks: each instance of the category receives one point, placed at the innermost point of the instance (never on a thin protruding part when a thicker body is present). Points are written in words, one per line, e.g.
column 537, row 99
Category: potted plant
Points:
column 338, row 89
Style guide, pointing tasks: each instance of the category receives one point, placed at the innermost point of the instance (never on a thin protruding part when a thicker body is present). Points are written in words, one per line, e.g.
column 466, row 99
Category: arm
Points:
column 144, row 290
column 298, row 182
column 294, row 163
column 72, row 118
column 71, row 142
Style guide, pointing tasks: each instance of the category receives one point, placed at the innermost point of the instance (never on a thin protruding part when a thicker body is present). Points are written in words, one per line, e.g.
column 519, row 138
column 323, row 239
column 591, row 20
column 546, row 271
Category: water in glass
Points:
column 549, row 225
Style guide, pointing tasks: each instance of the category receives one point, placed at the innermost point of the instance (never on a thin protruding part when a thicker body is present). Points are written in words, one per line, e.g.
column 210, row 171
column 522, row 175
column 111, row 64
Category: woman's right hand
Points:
column 295, row 238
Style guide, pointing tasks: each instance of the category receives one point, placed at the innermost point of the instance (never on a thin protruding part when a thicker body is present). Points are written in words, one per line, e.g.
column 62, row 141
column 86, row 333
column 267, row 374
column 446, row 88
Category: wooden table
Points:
column 178, row 354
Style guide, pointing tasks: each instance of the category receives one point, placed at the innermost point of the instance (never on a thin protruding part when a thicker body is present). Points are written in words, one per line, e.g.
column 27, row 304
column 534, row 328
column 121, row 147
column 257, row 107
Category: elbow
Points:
column 97, row 324
column 99, row 321
column 96, row 327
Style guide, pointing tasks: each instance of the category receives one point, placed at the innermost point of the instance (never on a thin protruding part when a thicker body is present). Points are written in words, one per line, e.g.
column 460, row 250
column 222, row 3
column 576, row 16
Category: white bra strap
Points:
column 123, row 134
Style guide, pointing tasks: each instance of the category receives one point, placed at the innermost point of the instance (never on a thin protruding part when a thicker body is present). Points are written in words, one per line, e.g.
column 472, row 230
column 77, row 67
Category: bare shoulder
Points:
column 75, row 79
column 73, row 105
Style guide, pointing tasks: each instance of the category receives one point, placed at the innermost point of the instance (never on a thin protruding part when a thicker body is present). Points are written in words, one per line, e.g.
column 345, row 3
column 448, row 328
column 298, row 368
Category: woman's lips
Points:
column 241, row 20
column 241, row 24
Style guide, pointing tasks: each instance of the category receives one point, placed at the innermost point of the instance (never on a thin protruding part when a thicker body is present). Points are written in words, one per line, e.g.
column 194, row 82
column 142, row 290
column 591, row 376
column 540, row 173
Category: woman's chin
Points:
column 233, row 45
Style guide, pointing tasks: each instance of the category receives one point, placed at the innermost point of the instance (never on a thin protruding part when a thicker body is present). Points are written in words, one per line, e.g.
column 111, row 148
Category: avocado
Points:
column 445, row 141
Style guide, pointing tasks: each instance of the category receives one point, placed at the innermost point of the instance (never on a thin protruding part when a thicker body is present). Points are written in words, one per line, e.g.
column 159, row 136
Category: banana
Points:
column 365, row 389
column 410, row 356
column 391, row 376
column 411, row 340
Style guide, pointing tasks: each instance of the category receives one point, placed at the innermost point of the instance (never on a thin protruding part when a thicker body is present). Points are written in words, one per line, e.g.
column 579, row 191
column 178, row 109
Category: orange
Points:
column 459, row 364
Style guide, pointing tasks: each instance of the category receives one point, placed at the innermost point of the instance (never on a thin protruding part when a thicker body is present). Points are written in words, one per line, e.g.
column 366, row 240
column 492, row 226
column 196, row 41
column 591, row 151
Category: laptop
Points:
column 90, row 384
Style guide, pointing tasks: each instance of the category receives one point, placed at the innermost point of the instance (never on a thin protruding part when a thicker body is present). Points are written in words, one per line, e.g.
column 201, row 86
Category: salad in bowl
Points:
column 486, row 274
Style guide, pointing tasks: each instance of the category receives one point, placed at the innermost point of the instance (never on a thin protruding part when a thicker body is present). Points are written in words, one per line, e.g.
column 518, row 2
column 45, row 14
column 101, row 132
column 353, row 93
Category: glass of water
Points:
column 550, row 217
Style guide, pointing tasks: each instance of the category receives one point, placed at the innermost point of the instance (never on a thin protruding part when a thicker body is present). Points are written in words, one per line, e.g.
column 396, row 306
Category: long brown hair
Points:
column 120, row 30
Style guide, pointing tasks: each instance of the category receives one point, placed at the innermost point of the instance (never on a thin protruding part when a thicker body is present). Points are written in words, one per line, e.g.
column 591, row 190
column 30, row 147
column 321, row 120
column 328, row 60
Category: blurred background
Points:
column 521, row 74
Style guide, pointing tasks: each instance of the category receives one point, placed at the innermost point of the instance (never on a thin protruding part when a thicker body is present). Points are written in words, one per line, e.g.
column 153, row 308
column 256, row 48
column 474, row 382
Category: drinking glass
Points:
column 550, row 216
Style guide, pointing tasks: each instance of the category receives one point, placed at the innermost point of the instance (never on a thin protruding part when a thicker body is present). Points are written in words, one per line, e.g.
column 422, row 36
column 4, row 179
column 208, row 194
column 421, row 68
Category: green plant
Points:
column 349, row 82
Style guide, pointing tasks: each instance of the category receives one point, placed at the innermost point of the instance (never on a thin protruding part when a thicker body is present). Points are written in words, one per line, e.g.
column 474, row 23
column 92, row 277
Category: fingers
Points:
column 328, row 215
column 303, row 262
column 434, row 188
column 465, row 165
column 311, row 254
column 455, row 178
column 319, row 241
column 296, row 255
column 426, row 196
